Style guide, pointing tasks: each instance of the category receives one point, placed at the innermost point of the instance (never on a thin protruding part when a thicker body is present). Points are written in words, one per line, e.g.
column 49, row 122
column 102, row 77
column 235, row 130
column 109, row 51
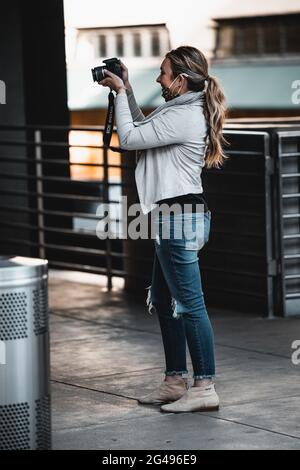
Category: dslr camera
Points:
column 113, row 65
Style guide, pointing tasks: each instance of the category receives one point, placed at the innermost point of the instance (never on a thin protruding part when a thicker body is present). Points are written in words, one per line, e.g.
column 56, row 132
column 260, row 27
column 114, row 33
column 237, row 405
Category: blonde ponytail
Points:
column 215, row 113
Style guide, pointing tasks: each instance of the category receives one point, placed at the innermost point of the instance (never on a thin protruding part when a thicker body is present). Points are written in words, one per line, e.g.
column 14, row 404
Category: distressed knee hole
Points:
column 175, row 305
column 175, row 313
column 151, row 307
column 179, row 309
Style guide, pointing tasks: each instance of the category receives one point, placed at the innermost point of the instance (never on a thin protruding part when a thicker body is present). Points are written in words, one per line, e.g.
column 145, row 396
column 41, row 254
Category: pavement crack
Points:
column 253, row 350
column 102, row 323
column 251, row 426
column 93, row 390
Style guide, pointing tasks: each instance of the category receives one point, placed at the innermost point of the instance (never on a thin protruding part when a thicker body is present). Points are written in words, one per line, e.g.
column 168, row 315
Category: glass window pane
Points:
column 250, row 40
column 155, row 44
column 120, row 45
column 292, row 38
column 238, row 41
column 271, row 38
column 137, row 44
column 102, row 46
column 225, row 42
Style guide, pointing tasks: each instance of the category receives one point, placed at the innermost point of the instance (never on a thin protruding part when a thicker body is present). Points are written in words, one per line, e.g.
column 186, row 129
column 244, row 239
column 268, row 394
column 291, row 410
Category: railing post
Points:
column 106, row 199
column 39, row 189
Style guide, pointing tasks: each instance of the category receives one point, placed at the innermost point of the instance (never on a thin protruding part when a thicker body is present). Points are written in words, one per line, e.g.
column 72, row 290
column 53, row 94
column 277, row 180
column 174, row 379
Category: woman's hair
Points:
column 187, row 59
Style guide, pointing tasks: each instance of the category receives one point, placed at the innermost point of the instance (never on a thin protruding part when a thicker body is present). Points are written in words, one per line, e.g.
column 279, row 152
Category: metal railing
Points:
column 238, row 263
column 252, row 260
column 41, row 201
column 288, row 161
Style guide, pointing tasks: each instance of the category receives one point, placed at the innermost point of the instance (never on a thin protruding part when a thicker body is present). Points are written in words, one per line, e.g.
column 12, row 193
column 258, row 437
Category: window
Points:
column 249, row 38
column 226, row 38
column 102, row 45
column 120, row 45
column 278, row 34
column 292, row 42
column 271, row 38
column 155, row 45
column 137, row 49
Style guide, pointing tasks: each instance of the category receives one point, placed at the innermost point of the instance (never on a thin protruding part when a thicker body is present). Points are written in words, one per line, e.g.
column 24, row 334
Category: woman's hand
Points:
column 125, row 78
column 112, row 81
column 124, row 74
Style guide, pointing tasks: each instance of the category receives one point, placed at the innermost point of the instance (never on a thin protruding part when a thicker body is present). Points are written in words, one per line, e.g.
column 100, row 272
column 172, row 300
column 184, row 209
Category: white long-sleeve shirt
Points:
column 171, row 142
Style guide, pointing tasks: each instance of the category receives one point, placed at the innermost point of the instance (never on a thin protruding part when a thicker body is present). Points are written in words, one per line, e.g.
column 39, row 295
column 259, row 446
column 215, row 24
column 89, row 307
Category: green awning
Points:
column 258, row 85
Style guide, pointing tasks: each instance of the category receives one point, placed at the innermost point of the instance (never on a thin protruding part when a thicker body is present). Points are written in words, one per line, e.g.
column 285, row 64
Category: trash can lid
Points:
column 19, row 267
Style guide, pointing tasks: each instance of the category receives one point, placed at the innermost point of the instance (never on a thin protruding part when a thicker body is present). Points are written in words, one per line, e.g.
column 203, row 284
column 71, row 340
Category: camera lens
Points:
column 98, row 74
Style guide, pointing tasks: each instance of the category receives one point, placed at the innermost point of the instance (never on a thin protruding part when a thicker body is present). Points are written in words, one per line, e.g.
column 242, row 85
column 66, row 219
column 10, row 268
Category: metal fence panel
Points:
column 251, row 262
column 289, row 219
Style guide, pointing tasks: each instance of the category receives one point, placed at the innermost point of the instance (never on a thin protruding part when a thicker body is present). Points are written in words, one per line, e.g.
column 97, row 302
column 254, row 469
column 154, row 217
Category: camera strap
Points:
column 109, row 124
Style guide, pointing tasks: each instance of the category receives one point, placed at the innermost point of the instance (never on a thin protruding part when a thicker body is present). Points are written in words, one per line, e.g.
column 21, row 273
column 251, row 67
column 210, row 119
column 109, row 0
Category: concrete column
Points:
column 111, row 45
column 146, row 43
column 128, row 44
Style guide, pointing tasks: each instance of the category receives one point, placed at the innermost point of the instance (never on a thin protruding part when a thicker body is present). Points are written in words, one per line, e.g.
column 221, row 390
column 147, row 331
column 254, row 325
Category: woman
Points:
column 174, row 143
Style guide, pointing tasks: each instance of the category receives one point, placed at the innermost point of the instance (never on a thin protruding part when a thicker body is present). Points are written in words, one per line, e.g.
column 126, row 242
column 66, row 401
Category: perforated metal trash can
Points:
column 25, row 420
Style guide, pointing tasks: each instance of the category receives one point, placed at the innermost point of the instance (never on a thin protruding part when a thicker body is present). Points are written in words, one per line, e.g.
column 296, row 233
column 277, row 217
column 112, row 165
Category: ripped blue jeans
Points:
column 176, row 295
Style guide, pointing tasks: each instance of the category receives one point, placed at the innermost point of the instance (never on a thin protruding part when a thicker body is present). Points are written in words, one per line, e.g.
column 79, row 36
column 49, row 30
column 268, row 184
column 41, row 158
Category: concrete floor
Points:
column 106, row 351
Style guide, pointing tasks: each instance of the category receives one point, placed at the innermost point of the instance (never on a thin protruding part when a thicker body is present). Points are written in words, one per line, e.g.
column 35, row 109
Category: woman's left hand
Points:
column 112, row 81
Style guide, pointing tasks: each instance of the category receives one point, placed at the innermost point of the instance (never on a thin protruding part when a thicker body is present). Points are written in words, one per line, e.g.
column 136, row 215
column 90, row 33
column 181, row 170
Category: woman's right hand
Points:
column 125, row 77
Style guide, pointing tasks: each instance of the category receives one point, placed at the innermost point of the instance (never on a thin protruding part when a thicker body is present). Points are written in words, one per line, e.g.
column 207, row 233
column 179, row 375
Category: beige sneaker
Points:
column 167, row 392
column 195, row 399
